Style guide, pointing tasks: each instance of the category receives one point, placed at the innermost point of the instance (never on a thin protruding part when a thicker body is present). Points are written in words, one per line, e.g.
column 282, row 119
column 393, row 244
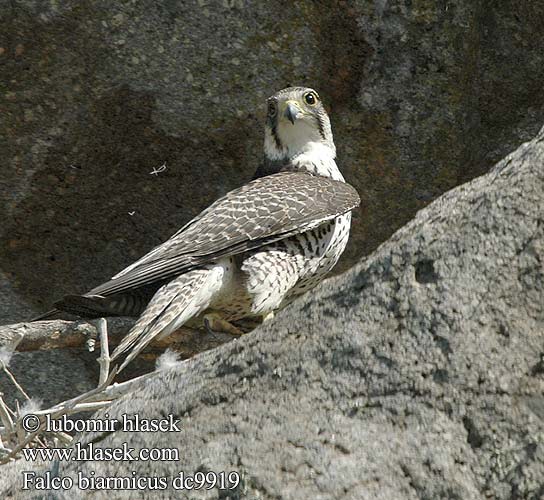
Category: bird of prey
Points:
column 252, row 251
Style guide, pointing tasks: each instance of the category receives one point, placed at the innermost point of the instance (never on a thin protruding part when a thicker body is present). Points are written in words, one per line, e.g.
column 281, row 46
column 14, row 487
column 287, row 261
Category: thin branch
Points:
column 14, row 381
column 6, row 417
column 30, row 437
column 60, row 334
column 104, row 359
column 58, row 410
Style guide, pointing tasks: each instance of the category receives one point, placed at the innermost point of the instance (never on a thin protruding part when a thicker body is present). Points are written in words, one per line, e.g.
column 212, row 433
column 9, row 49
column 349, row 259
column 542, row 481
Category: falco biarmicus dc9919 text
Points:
column 252, row 251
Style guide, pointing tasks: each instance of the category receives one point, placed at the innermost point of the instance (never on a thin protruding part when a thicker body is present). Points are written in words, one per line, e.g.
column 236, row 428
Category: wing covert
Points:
column 264, row 210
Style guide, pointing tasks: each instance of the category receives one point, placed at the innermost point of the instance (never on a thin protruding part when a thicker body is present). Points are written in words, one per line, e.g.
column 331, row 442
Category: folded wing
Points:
column 265, row 210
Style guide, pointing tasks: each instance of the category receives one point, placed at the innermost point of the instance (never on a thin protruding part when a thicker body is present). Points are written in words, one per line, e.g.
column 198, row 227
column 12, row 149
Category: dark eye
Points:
column 311, row 98
column 271, row 108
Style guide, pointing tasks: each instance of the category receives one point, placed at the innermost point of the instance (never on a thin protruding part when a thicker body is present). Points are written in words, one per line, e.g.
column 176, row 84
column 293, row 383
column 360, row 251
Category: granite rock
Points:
column 417, row 374
column 96, row 95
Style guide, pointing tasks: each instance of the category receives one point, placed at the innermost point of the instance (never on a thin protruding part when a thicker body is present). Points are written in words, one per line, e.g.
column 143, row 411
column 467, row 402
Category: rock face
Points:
column 98, row 94
column 417, row 374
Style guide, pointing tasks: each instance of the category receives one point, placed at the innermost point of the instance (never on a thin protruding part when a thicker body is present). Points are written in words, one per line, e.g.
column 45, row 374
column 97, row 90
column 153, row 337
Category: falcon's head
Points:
column 297, row 123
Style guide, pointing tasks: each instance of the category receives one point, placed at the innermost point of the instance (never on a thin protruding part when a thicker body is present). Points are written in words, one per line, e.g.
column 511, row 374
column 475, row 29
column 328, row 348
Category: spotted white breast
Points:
column 323, row 247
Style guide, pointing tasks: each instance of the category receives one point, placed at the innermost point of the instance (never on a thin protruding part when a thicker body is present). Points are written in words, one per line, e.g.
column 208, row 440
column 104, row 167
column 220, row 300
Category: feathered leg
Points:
column 172, row 306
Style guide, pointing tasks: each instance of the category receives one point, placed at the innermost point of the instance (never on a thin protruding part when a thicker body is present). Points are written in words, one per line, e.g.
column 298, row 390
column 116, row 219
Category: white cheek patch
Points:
column 271, row 149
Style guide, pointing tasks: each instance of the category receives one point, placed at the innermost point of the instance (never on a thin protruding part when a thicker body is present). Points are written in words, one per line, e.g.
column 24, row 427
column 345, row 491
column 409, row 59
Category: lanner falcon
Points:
column 252, row 251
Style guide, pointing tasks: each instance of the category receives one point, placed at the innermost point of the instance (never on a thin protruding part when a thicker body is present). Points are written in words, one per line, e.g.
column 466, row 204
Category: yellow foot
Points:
column 214, row 323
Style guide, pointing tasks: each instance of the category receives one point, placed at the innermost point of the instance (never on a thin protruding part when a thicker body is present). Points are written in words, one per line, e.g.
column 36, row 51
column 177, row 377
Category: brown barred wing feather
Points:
column 264, row 210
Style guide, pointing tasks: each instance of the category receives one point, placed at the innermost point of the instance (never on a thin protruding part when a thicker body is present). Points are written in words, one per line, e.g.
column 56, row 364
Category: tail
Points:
column 131, row 303
column 172, row 306
column 97, row 306
column 53, row 313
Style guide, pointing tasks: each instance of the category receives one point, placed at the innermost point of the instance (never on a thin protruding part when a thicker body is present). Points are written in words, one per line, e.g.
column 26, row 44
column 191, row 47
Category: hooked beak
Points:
column 292, row 111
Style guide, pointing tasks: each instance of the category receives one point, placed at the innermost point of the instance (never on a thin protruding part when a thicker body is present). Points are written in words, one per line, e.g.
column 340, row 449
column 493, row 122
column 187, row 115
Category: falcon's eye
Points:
column 272, row 109
column 311, row 98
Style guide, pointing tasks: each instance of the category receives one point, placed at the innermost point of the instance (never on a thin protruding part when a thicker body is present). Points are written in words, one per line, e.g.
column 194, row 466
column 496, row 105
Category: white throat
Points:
column 318, row 159
column 314, row 157
column 314, row 152
column 294, row 139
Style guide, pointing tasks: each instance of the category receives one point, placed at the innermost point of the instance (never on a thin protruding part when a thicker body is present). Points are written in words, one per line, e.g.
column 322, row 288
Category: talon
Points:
column 214, row 323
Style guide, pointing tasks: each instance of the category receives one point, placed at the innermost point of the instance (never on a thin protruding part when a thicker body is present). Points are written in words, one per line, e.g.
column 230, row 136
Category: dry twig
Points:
column 58, row 334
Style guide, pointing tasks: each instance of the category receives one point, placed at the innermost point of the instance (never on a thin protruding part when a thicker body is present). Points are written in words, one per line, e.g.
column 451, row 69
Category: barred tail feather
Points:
column 97, row 306
column 51, row 314
column 172, row 306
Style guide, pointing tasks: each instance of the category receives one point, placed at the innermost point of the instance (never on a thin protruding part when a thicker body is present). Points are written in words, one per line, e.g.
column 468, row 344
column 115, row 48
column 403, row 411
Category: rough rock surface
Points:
column 417, row 374
column 96, row 94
